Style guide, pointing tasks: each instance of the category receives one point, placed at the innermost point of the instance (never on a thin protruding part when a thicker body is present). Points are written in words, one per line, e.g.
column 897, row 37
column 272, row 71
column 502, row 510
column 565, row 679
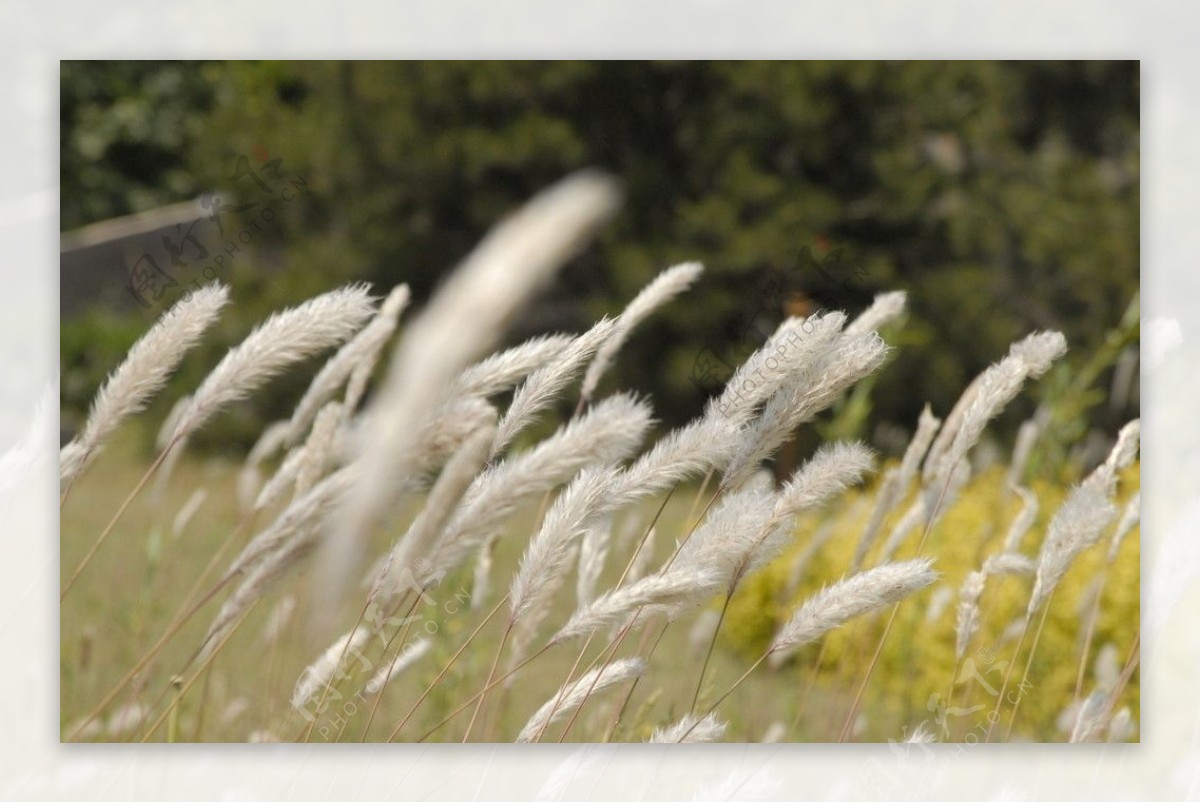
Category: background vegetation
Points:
column 1003, row 196
column 133, row 591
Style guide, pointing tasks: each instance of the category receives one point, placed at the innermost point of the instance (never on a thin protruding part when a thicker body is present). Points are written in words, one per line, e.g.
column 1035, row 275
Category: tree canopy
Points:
column 1003, row 196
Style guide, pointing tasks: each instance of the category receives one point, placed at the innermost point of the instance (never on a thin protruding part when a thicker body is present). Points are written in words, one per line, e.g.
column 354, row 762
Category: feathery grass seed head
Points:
column 866, row 591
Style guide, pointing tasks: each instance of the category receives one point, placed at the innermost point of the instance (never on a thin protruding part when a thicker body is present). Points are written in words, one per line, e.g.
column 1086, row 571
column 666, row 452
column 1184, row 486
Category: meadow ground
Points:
column 140, row 579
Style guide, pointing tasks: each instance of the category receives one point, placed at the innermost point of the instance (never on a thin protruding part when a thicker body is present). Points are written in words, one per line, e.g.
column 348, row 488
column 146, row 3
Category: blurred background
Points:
column 1003, row 196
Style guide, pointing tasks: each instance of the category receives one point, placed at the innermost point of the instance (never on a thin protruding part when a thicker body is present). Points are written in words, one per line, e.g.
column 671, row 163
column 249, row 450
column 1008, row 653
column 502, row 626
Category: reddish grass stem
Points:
column 488, row 682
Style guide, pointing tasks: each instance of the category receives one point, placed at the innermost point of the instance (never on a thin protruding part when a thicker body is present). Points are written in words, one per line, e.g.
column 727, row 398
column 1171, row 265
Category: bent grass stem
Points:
column 441, row 674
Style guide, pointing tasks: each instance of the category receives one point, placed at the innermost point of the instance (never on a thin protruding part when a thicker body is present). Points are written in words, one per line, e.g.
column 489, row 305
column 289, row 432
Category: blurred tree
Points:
column 126, row 129
column 1003, row 196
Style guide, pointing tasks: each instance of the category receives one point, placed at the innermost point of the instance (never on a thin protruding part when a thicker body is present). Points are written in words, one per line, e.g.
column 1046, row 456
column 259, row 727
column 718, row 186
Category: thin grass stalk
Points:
column 845, row 668
column 995, row 715
column 173, row 628
column 802, row 704
column 727, row 692
column 184, row 613
column 567, row 696
column 1128, row 518
column 848, row 723
column 275, row 671
column 629, row 625
column 375, row 686
column 328, row 684
column 858, row 695
column 606, row 655
column 91, row 553
column 172, row 728
column 441, row 674
column 464, row 706
column 699, row 495
column 491, row 674
column 1087, row 639
column 199, row 671
column 1037, row 637
column 307, row 732
column 968, row 701
column 824, row 466
column 539, row 521
column 401, row 634
column 387, row 648
column 570, row 678
column 708, row 654
column 611, row 651
column 620, row 709
column 953, row 681
column 624, row 574
column 202, row 707
column 645, row 535
column 246, row 524
column 1131, row 664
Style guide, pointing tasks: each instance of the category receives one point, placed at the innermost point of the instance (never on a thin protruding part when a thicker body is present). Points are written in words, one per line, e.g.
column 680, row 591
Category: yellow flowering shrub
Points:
column 911, row 681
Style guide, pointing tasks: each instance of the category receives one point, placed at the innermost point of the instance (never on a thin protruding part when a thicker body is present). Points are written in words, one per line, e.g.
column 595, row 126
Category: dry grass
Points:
column 129, row 596
column 453, row 491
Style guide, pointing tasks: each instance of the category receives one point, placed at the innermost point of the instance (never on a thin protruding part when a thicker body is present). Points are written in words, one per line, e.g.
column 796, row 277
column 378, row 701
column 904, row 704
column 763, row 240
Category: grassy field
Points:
column 144, row 574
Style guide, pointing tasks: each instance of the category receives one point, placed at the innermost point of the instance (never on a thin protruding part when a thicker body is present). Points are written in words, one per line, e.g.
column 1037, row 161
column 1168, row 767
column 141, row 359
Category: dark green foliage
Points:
column 1003, row 196
column 125, row 136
